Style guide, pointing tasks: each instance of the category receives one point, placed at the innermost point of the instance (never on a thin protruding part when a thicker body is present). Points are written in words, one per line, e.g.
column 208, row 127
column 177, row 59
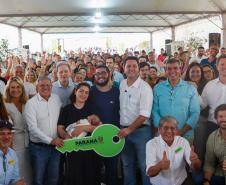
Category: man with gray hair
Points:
column 168, row 154
column 41, row 114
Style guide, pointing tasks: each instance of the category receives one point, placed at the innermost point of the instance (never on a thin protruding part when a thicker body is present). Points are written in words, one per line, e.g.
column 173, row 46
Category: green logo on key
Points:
column 104, row 141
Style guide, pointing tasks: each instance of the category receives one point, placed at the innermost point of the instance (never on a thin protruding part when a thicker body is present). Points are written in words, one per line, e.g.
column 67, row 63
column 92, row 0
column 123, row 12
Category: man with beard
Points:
column 215, row 159
column 117, row 77
column 105, row 101
column 144, row 71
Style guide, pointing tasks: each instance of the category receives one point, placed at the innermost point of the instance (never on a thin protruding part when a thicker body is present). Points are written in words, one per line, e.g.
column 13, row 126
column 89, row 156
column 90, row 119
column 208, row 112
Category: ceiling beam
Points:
column 196, row 19
column 215, row 4
column 164, row 19
column 102, row 26
column 111, row 13
column 88, row 32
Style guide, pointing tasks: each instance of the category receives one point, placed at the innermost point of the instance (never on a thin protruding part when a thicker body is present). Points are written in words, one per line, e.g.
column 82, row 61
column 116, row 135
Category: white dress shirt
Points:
column 197, row 59
column 213, row 95
column 178, row 154
column 42, row 117
column 135, row 100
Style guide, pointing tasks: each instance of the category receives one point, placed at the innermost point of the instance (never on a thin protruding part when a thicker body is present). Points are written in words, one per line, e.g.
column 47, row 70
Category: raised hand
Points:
column 165, row 162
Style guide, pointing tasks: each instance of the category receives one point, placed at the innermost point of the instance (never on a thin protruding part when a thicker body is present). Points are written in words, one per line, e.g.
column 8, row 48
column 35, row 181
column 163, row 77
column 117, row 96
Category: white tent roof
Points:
column 63, row 16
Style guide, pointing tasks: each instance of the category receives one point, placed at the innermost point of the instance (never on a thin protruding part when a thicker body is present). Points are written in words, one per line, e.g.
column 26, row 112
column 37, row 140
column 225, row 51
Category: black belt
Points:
column 143, row 125
column 42, row 144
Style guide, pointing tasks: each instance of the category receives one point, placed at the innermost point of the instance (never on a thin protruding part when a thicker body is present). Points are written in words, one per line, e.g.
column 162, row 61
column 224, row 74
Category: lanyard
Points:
column 4, row 163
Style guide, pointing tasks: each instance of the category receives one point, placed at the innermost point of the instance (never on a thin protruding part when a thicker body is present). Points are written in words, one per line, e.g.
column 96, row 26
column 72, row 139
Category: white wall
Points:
column 200, row 28
column 10, row 33
column 159, row 38
column 33, row 39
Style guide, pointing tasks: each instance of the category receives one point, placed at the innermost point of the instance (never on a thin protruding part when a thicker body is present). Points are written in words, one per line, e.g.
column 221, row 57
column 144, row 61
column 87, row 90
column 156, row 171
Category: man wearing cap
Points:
column 9, row 169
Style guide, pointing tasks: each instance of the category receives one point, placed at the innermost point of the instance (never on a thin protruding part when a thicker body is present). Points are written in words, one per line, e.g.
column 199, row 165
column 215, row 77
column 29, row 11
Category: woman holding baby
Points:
column 83, row 167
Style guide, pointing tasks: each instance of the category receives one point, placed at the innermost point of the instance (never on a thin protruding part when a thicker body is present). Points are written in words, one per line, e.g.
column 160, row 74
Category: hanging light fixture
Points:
column 98, row 14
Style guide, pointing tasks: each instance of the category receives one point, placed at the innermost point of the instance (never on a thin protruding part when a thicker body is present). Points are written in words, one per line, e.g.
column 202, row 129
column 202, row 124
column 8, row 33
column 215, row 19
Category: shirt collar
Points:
column 164, row 143
column 40, row 98
column 136, row 83
column 181, row 82
column 69, row 84
column 217, row 80
column 1, row 152
column 219, row 133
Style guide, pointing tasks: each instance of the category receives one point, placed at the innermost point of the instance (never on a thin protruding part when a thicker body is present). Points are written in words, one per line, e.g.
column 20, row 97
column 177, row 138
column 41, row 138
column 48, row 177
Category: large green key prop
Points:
column 104, row 141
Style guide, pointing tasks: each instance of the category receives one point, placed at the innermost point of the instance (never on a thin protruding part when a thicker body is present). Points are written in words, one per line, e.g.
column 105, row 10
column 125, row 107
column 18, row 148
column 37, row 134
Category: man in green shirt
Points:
column 215, row 159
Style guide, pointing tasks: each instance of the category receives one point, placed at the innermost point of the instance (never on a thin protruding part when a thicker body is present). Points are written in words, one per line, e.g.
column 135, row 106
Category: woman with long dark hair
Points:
column 195, row 75
column 83, row 167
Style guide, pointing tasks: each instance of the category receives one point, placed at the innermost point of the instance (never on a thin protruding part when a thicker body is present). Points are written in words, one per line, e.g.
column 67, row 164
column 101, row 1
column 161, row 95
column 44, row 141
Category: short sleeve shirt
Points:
column 70, row 114
column 9, row 170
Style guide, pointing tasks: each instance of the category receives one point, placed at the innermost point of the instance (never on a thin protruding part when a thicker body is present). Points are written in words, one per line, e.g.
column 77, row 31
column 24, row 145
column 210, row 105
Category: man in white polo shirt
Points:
column 167, row 155
column 135, row 108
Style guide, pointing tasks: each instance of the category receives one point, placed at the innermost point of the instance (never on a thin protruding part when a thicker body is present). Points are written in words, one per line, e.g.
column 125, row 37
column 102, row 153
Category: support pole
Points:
column 173, row 33
column 20, row 38
column 41, row 42
column 151, row 41
column 224, row 29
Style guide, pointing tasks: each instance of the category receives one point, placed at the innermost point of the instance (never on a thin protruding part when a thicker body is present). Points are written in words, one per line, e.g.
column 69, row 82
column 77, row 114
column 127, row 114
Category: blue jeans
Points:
column 134, row 148
column 45, row 162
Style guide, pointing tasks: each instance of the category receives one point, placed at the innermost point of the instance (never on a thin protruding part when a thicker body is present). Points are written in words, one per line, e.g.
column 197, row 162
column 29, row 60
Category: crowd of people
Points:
column 171, row 110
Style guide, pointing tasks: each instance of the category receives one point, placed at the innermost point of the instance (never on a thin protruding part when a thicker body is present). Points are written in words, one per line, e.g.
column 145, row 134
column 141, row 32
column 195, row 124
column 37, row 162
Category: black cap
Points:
column 6, row 124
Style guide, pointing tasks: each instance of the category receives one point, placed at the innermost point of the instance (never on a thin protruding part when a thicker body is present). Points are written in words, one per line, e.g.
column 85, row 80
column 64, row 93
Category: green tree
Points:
column 194, row 42
column 4, row 49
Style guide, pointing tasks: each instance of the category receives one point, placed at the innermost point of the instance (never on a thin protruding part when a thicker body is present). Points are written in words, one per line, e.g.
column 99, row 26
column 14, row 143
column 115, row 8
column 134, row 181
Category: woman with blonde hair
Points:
column 30, row 76
column 15, row 100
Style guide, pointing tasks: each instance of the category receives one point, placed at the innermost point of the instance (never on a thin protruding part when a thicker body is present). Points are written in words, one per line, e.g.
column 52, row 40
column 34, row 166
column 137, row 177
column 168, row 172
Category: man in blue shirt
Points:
column 9, row 169
column 176, row 98
column 105, row 103
column 64, row 86
column 212, row 59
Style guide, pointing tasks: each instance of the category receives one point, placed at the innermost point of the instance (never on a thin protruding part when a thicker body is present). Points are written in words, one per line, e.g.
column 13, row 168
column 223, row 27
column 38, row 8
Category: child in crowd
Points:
column 91, row 120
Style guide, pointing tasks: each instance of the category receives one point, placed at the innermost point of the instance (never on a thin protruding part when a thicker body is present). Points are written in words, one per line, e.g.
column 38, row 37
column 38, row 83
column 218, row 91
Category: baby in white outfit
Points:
column 91, row 120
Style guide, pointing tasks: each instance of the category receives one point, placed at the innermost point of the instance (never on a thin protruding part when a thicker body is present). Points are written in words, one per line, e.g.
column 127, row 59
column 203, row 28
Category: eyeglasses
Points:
column 45, row 85
column 166, row 128
column 103, row 73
